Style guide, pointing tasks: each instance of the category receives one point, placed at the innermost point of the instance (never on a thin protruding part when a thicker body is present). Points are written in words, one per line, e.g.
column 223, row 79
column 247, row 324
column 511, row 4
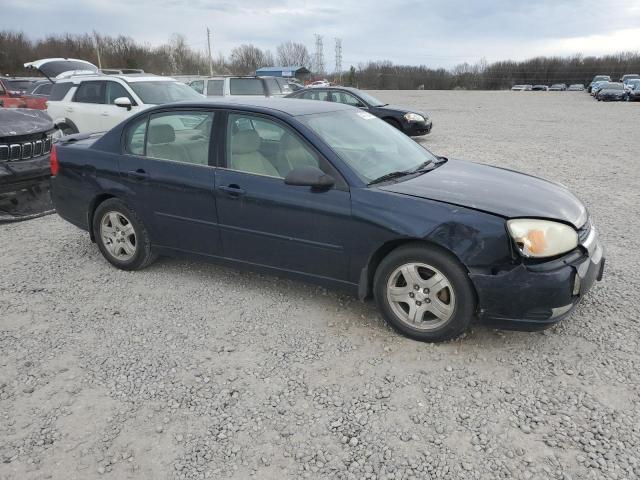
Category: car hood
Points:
column 494, row 190
column 22, row 121
column 58, row 67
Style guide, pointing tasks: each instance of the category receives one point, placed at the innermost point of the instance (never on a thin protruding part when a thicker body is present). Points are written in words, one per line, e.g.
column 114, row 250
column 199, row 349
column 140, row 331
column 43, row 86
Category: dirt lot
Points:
column 196, row 371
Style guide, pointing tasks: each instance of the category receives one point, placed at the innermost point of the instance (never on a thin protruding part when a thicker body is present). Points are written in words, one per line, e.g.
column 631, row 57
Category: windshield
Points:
column 370, row 146
column 600, row 77
column 373, row 101
column 613, row 86
column 159, row 92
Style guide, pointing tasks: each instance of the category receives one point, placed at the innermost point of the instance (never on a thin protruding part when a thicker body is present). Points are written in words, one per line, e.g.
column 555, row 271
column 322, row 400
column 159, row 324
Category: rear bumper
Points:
column 21, row 174
column 536, row 297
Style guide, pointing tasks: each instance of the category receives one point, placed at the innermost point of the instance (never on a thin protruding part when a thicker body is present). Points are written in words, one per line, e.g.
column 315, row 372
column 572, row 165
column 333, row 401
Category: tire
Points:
column 121, row 236
column 454, row 299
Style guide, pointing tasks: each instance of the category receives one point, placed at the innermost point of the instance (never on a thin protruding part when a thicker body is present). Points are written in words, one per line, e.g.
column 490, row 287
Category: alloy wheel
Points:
column 421, row 296
column 118, row 235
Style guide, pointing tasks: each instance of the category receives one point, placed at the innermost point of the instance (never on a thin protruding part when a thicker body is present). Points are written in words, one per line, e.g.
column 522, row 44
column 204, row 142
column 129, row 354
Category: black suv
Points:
column 25, row 145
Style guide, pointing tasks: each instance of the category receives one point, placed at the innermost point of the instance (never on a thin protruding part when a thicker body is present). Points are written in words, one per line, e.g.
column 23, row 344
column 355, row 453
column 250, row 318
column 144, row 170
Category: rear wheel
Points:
column 425, row 293
column 121, row 236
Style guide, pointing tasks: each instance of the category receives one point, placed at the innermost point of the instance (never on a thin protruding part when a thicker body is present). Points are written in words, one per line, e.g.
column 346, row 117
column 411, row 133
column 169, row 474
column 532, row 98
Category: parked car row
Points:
column 605, row 91
column 556, row 87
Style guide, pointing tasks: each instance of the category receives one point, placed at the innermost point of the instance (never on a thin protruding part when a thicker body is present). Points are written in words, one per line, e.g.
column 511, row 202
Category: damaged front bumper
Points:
column 18, row 175
column 532, row 297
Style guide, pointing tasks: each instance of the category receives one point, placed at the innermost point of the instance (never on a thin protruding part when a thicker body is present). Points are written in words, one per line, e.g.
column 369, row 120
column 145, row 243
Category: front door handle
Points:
column 232, row 190
column 138, row 174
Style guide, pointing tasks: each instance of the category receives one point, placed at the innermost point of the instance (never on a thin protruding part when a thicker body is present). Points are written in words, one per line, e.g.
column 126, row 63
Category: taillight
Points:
column 55, row 166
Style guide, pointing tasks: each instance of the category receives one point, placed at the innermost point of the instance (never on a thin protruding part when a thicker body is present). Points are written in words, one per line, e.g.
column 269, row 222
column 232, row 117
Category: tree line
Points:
column 177, row 57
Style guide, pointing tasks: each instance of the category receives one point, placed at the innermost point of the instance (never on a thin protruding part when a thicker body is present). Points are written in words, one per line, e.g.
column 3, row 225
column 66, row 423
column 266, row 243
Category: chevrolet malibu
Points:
column 328, row 193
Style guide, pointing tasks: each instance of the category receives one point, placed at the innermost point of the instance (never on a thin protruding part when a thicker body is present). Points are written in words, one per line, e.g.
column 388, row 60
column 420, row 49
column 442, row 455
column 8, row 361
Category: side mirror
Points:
column 309, row 177
column 123, row 102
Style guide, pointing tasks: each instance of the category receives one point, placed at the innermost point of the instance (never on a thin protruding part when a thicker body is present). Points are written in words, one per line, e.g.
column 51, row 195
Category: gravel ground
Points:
column 186, row 371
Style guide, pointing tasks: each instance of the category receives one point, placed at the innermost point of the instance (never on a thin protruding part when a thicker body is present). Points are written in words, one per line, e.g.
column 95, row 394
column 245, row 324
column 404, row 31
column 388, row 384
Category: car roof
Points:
column 291, row 106
column 330, row 87
column 131, row 78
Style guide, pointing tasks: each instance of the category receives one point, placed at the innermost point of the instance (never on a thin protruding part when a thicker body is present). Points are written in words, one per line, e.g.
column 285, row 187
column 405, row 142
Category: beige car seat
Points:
column 246, row 157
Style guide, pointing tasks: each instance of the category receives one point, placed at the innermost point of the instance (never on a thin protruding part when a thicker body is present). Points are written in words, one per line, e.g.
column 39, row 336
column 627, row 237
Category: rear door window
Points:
column 59, row 91
column 90, row 92
column 316, row 94
column 215, row 88
column 181, row 136
column 246, row 86
column 347, row 99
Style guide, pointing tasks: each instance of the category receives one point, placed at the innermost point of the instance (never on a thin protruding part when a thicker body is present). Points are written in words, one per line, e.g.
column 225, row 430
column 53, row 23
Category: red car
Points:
column 9, row 97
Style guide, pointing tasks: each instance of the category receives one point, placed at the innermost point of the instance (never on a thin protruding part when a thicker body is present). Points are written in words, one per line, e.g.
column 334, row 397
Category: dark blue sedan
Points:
column 331, row 194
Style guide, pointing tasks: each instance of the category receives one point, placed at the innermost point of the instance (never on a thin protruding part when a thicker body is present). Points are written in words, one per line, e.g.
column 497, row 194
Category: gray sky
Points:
column 435, row 33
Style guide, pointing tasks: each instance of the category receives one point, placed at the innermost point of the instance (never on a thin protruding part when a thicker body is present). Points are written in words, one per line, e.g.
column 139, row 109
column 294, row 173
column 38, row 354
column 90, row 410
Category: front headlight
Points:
column 542, row 238
column 413, row 117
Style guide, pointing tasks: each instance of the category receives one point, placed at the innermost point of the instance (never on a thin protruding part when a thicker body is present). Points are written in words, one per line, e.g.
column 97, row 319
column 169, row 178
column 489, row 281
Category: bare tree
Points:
column 291, row 54
column 246, row 59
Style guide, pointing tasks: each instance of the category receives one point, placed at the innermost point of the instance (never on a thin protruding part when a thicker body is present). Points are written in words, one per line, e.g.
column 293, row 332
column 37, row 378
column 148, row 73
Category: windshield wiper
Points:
column 390, row 176
column 422, row 167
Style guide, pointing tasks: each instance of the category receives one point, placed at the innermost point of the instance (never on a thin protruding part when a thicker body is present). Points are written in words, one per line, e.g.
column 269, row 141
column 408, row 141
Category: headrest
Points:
column 162, row 133
column 245, row 141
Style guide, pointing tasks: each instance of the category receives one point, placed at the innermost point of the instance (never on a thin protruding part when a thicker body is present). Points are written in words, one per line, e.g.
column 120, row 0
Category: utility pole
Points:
column 97, row 40
column 210, row 57
column 338, row 71
column 319, row 56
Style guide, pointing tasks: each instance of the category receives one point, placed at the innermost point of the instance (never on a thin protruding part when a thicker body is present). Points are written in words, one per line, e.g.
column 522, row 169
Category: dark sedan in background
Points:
column 611, row 92
column 406, row 120
column 331, row 194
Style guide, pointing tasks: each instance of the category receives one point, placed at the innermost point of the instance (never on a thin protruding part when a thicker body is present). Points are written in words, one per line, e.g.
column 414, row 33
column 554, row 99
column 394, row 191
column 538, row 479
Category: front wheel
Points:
column 424, row 293
column 121, row 236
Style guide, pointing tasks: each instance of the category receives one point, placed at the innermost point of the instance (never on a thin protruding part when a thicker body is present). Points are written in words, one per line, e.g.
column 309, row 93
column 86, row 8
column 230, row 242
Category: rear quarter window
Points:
column 135, row 136
column 59, row 91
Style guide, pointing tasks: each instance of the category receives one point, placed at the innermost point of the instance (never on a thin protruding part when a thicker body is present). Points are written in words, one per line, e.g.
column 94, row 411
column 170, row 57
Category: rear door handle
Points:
column 138, row 174
column 69, row 109
column 232, row 190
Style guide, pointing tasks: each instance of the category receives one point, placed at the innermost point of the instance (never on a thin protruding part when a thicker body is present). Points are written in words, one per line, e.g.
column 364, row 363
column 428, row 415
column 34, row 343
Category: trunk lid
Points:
column 58, row 67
